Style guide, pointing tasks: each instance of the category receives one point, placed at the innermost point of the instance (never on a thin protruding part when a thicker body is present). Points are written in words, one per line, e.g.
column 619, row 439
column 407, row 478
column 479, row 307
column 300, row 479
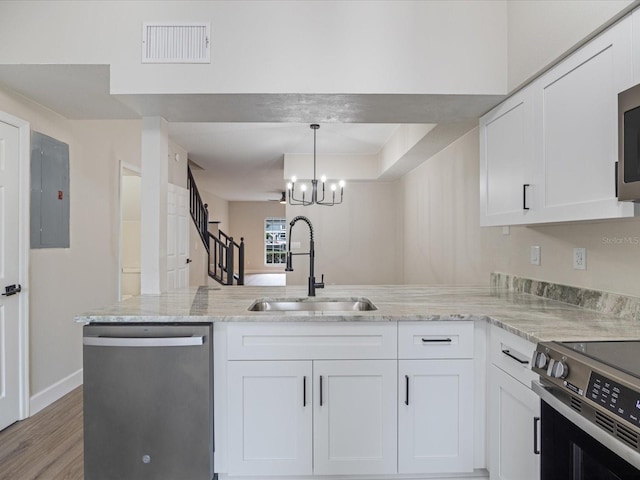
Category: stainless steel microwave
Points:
column 628, row 182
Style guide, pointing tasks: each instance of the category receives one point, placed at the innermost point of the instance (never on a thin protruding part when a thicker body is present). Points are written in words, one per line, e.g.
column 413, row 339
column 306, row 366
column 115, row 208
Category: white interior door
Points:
column 177, row 237
column 9, row 275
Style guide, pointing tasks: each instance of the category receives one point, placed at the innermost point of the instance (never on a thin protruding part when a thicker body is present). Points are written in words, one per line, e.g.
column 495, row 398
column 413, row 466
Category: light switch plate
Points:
column 295, row 245
column 535, row 255
column 579, row 258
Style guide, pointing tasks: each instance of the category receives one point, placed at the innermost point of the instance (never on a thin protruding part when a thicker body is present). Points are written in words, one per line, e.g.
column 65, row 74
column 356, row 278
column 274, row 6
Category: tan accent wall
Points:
column 444, row 243
column 357, row 242
column 65, row 282
column 246, row 219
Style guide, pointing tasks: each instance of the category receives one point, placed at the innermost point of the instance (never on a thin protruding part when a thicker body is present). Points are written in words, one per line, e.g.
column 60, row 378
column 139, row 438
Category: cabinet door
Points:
column 435, row 416
column 576, row 111
column 507, row 192
column 271, row 417
column 355, row 426
column 513, row 412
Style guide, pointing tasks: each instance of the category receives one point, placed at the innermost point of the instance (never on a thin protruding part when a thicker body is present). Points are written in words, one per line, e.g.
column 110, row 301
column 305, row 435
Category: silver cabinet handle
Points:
column 143, row 341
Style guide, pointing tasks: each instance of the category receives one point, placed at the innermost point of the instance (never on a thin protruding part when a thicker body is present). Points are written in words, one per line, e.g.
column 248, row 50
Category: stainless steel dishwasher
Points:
column 148, row 402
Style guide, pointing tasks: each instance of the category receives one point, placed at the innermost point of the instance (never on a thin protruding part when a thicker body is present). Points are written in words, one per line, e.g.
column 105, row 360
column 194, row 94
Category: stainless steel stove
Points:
column 596, row 387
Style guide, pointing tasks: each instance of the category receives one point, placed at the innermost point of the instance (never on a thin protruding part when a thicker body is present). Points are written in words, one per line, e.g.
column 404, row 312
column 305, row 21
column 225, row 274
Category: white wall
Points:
column 540, row 31
column 246, row 219
column 276, row 46
column 357, row 242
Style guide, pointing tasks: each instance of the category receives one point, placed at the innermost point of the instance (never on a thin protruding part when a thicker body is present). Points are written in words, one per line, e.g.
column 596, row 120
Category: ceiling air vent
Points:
column 176, row 43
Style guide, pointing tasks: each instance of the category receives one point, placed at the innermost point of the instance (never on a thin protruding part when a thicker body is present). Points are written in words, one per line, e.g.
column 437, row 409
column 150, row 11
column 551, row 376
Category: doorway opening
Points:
column 130, row 231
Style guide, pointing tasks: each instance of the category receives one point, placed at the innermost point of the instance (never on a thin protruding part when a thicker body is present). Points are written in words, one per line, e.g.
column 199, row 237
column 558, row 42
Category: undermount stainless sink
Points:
column 312, row 305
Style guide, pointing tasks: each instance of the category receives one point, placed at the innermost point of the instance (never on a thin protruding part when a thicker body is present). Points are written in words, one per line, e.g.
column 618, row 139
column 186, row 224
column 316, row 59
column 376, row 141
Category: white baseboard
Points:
column 56, row 391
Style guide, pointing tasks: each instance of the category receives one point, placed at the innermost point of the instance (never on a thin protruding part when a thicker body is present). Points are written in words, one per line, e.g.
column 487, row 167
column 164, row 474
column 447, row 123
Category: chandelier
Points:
column 306, row 201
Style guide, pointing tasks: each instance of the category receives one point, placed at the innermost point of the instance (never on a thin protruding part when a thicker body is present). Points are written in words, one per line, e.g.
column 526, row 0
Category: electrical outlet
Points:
column 579, row 258
column 506, row 230
column 295, row 245
column 535, row 255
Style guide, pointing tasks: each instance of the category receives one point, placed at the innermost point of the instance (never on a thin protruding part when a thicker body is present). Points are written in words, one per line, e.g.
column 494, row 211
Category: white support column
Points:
column 155, row 168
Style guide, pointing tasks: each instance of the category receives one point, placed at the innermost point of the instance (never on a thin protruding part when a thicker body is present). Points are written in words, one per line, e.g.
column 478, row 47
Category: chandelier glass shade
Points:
column 318, row 194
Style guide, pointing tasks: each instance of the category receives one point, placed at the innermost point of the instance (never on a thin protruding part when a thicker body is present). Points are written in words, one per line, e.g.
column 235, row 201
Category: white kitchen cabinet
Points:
column 506, row 162
column 514, row 411
column 435, row 397
column 548, row 153
column 271, row 411
column 347, row 421
column 576, row 110
column 355, row 417
column 435, row 416
column 513, row 408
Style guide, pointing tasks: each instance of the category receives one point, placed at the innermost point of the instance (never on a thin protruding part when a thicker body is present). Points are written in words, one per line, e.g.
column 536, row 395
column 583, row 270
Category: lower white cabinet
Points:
column 326, row 399
column 303, row 417
column 271, row 412
column 355, row 417
column 435, row 416
column 514, row 411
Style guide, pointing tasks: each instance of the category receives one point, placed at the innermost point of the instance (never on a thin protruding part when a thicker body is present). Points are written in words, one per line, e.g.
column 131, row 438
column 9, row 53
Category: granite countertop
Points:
column 529, row 316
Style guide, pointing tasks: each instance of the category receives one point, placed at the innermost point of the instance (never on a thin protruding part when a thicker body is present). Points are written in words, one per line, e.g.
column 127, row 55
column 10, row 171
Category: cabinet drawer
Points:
column 435, row 340
column 504, row 346
column 311, row 341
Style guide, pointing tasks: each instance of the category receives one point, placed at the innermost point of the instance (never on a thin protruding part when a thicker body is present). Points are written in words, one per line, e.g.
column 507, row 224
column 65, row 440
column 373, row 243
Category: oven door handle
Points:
column 536, row 448
column 592, row 429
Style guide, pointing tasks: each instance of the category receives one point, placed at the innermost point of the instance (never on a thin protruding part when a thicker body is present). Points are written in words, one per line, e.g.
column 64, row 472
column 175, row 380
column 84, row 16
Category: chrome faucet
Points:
column 312, row 254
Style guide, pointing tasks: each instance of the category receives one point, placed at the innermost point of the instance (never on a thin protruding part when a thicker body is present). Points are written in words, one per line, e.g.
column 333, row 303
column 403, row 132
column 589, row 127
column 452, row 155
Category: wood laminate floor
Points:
column 46, row 446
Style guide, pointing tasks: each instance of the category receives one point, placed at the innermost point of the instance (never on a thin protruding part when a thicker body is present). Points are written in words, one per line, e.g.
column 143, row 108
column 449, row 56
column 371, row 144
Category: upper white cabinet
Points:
column 506, row 161
column 548, row 153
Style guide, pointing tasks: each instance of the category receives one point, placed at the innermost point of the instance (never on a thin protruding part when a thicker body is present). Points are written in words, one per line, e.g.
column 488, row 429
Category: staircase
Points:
column 225, row 256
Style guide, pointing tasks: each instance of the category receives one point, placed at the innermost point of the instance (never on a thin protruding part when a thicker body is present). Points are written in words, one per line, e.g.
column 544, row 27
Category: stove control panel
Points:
column 616, row 398
column 560, row 368
column 574, row 373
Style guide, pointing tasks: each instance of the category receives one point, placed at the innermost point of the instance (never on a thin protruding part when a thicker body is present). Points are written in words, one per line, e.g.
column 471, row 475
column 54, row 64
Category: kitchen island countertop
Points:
column 529, row 316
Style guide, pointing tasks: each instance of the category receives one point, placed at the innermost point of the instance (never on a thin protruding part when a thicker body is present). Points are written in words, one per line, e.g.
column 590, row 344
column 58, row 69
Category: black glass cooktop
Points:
column 623, row 355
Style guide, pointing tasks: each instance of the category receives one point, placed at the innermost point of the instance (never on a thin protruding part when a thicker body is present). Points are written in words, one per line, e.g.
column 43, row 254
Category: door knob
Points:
column 189, row 261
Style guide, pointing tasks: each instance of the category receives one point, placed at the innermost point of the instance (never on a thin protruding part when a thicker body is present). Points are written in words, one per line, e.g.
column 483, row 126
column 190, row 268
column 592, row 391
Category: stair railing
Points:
column 221, row 249
column 198, row 209
column 222, row 266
